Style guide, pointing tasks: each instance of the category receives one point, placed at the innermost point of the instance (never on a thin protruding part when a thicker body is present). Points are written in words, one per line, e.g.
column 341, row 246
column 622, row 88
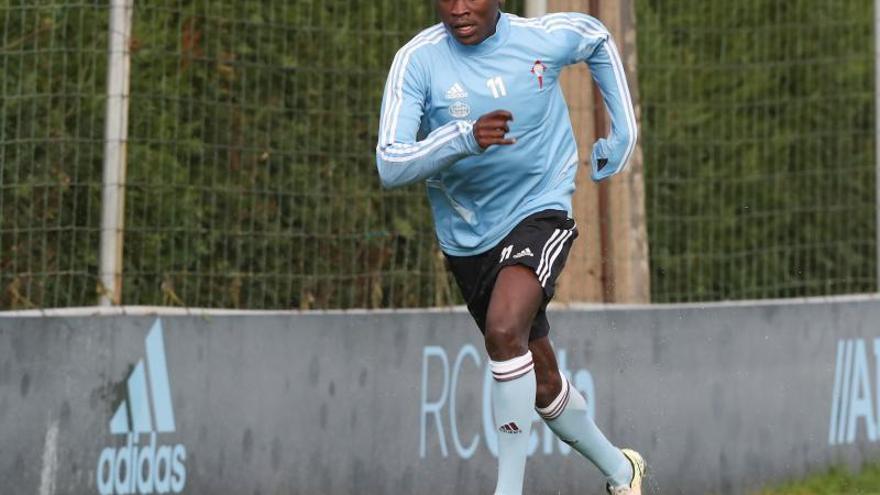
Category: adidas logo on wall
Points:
column 456, row 92
column 146, row 410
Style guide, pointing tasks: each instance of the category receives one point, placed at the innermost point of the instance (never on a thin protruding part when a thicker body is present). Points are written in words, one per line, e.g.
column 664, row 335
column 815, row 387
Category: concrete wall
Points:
column 720, row 399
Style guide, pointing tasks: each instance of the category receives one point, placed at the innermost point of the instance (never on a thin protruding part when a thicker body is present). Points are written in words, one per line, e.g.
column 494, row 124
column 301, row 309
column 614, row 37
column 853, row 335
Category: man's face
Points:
column 470, row 21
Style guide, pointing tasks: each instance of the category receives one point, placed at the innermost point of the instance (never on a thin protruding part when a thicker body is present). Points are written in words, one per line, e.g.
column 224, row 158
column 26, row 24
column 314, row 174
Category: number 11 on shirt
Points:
column 496, row 85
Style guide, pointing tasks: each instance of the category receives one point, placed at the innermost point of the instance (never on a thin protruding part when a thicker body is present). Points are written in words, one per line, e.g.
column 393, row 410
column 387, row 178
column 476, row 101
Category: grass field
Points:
column 836, row 481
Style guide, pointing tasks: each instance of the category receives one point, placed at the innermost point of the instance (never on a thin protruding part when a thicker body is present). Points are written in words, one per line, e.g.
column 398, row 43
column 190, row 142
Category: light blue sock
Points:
column 513, row 397
column 567, row 417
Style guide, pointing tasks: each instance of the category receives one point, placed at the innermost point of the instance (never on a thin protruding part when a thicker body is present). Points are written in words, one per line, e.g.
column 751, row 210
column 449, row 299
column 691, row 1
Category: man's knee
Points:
column 506, row 338
column 516, row 298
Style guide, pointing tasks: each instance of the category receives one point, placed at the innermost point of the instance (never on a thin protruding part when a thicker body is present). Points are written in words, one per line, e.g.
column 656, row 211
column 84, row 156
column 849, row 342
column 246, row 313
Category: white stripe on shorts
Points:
column 544, row 252
column 557, row 249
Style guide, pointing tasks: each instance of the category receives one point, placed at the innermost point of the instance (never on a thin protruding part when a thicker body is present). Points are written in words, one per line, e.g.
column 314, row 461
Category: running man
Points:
column 473, row 108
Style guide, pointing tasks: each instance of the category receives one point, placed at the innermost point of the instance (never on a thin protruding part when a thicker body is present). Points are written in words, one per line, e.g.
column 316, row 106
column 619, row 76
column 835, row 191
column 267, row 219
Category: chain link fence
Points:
column 251, row 177
column 758, row 135
column 53, row 59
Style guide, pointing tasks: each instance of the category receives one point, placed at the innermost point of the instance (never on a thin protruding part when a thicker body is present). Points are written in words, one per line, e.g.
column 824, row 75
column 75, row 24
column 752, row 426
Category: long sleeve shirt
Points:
column 436, row 90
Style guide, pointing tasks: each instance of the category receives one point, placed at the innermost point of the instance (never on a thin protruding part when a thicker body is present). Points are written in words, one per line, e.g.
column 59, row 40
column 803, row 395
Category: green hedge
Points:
column 251, row 176
column 758, row 134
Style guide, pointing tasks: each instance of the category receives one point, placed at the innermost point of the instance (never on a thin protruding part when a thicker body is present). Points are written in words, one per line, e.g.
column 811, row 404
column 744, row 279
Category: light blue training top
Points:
column 436, row 90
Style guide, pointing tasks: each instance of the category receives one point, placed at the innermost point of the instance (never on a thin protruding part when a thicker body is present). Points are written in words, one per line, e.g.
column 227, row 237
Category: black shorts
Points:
column 540, row 242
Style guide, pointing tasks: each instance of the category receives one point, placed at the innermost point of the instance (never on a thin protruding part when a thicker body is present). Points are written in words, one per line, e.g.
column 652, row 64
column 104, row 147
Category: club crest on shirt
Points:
column 538, row 69
column 459, row 110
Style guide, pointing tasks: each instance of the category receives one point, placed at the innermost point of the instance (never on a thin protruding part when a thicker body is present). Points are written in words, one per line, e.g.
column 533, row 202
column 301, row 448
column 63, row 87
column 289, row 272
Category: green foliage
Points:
column 251, row 176
column 52, row 71
column 836, row 481
column 759, row 148
column 256, row 124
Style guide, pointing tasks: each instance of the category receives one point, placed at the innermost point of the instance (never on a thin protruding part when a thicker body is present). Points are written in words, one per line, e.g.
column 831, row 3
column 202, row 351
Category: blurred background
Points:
column 221, row 154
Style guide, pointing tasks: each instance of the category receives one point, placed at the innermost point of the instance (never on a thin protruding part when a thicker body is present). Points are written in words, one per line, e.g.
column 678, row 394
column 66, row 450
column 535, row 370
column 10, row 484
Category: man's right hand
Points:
column 492, row 128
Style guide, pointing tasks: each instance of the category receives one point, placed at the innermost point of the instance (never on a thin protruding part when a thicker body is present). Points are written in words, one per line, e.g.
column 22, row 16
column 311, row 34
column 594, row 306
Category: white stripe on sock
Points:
column 512, row 368
column 555, row 408
column 515, row 374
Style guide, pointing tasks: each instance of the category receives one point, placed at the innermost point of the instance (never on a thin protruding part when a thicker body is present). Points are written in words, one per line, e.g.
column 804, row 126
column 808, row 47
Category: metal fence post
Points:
column 877, row 131
column 115, row 141
column 536, row 8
